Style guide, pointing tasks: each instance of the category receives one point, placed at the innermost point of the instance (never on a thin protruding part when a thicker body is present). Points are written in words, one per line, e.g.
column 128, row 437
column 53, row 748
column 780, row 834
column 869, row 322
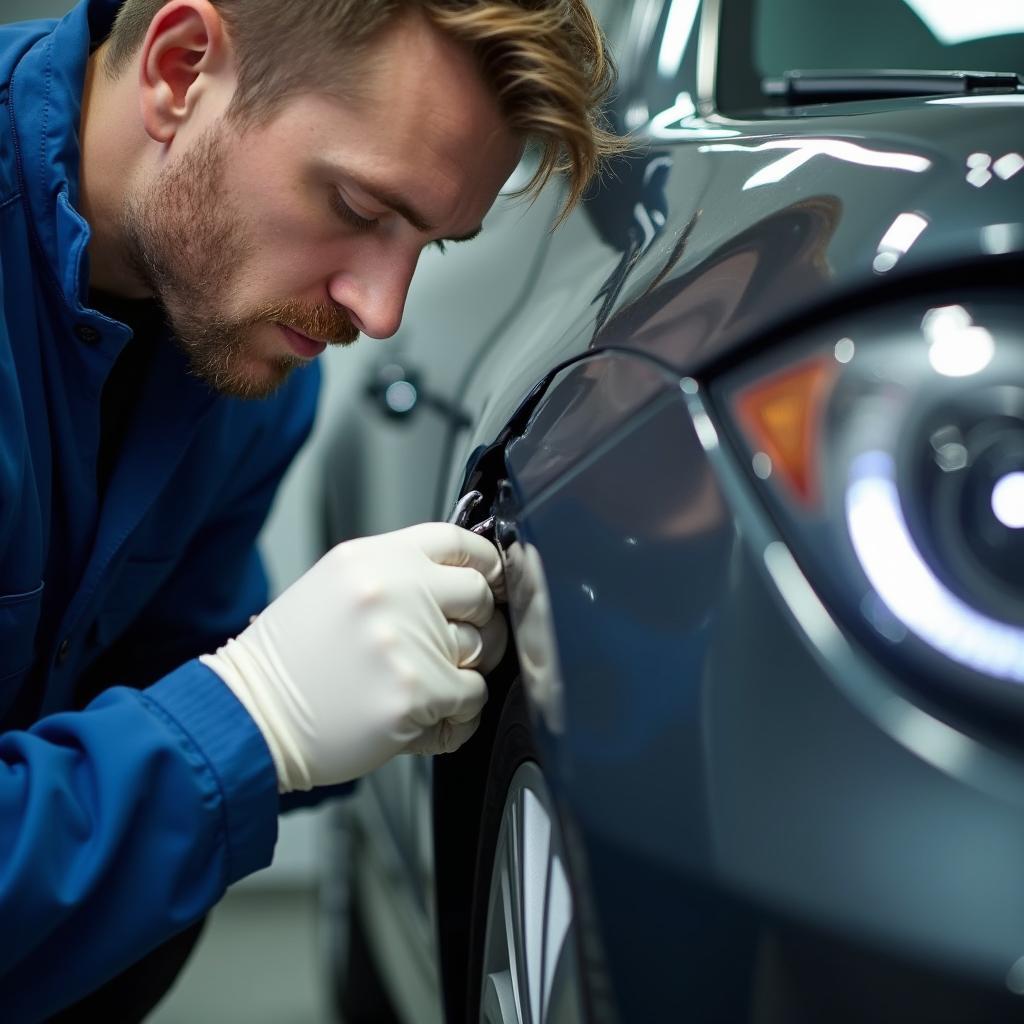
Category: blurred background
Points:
column 19, row 10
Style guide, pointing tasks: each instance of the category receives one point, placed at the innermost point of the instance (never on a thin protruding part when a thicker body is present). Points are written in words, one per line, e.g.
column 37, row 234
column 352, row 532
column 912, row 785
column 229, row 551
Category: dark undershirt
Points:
column 145, row 317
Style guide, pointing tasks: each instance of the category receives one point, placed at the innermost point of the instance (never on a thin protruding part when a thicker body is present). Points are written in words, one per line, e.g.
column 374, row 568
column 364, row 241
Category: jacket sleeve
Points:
column 119, row 825
column 124, row 821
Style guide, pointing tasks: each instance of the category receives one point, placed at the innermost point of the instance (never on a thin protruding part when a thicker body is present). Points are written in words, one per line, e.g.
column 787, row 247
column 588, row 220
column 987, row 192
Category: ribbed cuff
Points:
column 216, row 724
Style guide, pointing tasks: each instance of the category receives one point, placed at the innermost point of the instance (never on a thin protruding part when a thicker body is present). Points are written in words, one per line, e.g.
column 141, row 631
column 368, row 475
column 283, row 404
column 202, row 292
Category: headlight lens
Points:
column 892, row 454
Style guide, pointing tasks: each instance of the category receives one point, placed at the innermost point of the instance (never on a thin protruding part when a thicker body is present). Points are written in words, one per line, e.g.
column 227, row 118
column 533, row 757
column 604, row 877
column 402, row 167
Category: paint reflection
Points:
column 957, row 346
column 530, row 608
column 801, row 151
column 904, row 231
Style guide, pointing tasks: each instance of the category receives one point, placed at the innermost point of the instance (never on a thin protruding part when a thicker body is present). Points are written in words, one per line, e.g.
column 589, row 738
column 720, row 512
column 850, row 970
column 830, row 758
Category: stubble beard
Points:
column 186, row 243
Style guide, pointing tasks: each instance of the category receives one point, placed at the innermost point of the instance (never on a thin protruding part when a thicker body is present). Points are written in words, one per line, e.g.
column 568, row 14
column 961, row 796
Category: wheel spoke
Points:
column 529, row 974
column 510, row 907
column 498, row 1000
column 558, row 923
column 536, row 850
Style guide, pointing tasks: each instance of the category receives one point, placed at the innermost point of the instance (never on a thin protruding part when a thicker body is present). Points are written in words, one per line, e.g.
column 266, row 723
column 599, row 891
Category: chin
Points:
column 256, row 379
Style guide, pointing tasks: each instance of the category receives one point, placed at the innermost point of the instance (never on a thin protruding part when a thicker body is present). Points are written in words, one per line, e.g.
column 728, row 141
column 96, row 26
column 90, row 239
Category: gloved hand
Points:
column 371, row 653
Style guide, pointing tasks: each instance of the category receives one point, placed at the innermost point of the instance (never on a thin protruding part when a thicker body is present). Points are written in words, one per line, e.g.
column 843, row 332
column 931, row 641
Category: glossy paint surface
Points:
column 770, row 829
column 717, row 232
column 733, row 778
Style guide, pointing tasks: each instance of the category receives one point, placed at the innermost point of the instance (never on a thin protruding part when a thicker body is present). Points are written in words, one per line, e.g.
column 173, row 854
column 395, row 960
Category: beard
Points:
column 186, row 243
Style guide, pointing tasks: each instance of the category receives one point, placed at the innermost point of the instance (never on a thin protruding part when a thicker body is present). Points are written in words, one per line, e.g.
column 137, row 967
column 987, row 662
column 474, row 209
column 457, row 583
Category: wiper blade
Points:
column 799, row 87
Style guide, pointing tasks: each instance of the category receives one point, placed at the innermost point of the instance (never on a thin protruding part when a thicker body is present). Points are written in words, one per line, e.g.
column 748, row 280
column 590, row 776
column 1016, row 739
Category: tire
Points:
column 523, row 961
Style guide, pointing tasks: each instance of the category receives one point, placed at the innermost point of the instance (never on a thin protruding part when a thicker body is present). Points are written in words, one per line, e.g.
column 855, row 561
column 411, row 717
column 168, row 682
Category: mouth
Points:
column 300, row 344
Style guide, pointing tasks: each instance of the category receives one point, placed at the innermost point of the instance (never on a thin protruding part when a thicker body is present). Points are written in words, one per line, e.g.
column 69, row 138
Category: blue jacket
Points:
column 122, row 822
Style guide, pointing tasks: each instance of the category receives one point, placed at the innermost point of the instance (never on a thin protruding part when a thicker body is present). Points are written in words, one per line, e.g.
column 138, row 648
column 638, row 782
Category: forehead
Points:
column 419, row 116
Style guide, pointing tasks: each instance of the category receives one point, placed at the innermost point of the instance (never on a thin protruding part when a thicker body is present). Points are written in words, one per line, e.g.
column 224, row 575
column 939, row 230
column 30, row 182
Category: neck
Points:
column 113, row 141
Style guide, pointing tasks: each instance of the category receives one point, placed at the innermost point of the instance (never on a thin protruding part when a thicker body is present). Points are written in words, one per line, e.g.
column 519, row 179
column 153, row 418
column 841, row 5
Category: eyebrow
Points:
column 393, row 201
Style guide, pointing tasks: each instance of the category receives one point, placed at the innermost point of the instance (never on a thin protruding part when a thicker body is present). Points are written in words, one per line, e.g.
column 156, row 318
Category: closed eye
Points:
column 347, row 214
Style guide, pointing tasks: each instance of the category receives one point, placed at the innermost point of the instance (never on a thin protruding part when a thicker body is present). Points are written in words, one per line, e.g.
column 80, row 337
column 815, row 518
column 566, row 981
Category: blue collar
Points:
column 46, row 109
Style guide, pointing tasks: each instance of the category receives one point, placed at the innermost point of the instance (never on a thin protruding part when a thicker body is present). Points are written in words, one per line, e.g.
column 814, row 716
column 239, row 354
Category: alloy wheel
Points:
column 529, row 967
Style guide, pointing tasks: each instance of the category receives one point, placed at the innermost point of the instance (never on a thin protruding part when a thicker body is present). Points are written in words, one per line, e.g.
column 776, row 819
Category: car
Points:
column 748, row 431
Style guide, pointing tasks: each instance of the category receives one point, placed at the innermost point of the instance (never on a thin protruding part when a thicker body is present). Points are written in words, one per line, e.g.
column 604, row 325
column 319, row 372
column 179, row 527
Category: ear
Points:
column 184, row 58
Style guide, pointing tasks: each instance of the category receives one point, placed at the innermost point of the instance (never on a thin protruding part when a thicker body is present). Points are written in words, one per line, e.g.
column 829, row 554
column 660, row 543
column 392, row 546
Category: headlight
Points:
column 892, row 454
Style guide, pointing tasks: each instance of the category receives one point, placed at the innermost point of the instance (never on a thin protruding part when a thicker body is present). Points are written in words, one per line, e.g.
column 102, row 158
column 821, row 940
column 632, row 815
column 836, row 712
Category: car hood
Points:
column 720, row 234
column 767, row 222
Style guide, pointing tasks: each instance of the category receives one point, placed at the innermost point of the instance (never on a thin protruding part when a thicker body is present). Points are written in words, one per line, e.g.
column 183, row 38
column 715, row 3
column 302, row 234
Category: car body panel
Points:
column 778, row 798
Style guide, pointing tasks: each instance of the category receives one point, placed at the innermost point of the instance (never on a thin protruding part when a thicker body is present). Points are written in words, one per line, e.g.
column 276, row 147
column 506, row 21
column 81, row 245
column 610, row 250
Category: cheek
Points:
column 310, row 248
column 280, row 269
column 294, row 241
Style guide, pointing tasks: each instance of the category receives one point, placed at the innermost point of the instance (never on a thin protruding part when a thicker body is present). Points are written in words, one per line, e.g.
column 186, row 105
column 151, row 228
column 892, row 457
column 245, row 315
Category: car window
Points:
column 763, row 39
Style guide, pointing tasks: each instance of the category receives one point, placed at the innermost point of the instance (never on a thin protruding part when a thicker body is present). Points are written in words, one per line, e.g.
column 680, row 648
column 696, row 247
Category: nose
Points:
column 374, row 294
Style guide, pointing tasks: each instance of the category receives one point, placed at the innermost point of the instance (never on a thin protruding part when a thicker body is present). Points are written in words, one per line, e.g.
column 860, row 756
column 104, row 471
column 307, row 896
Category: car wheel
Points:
column 524, row 948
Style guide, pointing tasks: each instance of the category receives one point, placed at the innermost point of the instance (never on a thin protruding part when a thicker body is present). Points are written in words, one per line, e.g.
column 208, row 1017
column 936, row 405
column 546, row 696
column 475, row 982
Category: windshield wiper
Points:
column 799, row 87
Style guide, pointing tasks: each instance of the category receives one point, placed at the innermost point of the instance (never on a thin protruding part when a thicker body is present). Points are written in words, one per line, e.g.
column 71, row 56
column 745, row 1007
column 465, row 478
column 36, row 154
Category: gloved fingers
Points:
column 468, row 644
column 453, row 734
column 462, row 594
column 443, row 738
column 495, row 639
column 426, row 743
column 452, row 545
column 453, row 718
column 465, row 699
column 481, row 649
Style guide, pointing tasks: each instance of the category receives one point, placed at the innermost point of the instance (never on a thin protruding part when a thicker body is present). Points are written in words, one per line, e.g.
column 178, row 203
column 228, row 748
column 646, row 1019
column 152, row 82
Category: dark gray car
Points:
column 750, row 437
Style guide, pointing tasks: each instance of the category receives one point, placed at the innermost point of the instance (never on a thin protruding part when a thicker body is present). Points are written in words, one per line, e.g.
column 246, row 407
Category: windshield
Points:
column 763, row 39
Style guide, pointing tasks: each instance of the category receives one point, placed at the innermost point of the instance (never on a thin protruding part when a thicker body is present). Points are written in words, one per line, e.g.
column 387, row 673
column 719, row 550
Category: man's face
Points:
column 265, row 244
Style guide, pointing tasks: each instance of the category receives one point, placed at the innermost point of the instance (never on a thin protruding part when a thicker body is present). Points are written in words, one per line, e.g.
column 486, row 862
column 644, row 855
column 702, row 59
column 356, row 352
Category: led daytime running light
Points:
column 907, row 585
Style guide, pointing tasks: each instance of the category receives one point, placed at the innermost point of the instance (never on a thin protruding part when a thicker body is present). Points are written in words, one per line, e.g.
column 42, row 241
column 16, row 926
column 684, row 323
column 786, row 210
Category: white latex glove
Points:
column 371, row 653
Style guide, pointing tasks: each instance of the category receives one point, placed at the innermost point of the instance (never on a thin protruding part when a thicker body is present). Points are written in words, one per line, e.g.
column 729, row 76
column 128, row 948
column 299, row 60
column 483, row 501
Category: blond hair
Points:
column 546, row 61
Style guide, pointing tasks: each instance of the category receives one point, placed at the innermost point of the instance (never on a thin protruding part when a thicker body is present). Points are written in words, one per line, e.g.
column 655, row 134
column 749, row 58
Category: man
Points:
column 195, row 199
